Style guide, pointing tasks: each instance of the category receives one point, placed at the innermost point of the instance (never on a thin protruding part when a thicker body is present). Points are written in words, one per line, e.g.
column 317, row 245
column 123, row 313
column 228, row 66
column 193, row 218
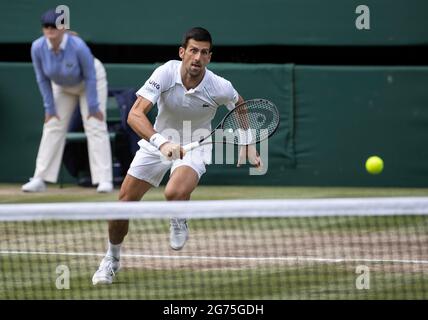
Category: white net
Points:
column 371, row 248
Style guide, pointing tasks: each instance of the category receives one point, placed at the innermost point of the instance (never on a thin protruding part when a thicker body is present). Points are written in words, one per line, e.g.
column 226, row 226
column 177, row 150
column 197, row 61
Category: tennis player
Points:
column 186, row 92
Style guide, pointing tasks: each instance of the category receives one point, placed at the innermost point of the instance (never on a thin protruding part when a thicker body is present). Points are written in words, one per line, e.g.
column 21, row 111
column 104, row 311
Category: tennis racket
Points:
column 248, row 123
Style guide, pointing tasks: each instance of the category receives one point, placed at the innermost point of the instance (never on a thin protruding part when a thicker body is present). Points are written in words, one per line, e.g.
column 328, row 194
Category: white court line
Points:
column 291, row 258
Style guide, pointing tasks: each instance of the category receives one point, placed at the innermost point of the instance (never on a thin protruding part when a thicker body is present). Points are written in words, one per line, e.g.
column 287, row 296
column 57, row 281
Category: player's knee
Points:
column 176, row 194
column 125, row 195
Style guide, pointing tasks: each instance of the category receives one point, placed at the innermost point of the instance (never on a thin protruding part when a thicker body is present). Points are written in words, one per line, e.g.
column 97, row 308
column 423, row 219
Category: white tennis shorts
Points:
column 149, row 164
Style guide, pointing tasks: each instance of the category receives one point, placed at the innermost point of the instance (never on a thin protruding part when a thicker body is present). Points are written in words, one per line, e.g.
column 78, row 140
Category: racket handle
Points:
column 190, row 146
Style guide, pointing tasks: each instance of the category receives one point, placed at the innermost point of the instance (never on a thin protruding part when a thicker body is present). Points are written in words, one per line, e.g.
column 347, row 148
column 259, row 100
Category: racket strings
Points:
column 260, row 117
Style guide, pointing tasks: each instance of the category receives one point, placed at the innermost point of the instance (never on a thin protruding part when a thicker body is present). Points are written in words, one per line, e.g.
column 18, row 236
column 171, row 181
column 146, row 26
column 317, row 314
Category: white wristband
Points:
column 157, row 140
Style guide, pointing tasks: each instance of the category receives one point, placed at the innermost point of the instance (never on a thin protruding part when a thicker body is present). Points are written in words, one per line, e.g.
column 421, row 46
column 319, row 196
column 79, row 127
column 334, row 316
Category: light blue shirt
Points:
column 73, row 64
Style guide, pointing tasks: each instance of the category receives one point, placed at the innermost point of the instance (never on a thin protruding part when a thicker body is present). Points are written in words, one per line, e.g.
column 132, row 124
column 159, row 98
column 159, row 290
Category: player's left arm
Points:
column 248, row 151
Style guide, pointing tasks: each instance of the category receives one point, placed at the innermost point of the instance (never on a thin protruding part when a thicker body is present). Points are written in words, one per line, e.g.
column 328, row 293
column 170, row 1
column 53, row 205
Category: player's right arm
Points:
column 138, row 121
column 137, row 118
column 148, row 94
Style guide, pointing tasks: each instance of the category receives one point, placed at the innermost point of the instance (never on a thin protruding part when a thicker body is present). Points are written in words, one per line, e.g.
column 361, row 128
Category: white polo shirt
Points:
column 187, row 112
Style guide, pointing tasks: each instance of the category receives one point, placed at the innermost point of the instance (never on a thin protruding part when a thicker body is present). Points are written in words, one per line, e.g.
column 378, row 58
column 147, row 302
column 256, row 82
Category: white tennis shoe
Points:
column 179, row 233
column 35, row 185
column 106, row 271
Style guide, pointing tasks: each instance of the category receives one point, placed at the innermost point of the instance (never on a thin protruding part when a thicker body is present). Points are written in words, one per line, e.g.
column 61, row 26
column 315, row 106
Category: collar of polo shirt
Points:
column 61, row 45
column 200, row 86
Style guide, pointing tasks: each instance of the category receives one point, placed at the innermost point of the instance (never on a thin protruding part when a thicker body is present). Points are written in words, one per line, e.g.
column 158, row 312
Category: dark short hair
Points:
column 197, row 34
column 49, row 17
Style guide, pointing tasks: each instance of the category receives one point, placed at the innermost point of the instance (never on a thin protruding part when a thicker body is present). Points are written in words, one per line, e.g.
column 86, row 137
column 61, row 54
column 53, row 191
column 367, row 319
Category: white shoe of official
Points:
column 106, row 271
column 35, row 185
column 179, row 233
column 105, row 187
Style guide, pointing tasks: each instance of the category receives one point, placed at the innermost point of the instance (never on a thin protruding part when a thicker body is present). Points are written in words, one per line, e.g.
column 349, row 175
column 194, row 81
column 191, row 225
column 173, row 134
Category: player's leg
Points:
column 132, row 189
column 52, row 144
column 181, row 184
column 99, row 149
column 183, row 180
column 146, row 170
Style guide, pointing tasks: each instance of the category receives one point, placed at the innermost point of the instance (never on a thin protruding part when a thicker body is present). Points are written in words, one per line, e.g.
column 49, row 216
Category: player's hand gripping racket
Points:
column 248, row 123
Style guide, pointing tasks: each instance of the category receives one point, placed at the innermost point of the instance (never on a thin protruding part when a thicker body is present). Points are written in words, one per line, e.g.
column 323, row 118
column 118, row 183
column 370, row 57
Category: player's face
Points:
column 195, row 57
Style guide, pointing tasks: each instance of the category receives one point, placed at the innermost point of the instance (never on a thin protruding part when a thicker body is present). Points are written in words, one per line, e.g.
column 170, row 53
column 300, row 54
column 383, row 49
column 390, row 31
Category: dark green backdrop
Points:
column 333, row 118
column 238, row 22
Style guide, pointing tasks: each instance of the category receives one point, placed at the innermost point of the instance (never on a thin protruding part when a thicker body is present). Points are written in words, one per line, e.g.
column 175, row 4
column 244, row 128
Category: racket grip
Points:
column 187, row 147
column 190, row 146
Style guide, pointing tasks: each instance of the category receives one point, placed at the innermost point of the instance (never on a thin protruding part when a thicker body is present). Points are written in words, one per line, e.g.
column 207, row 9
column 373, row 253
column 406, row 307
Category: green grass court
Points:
column 224, row 258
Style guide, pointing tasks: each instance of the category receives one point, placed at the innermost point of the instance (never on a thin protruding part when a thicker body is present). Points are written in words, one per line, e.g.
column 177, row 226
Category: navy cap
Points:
column 49, row 17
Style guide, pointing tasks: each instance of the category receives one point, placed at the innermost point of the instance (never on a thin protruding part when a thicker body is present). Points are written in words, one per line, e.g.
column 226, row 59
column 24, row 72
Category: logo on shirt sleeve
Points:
column 154, row 84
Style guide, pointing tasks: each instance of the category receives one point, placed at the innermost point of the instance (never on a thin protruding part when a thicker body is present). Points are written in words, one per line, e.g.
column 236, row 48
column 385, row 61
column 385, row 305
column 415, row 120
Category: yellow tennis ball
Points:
column 374, row 165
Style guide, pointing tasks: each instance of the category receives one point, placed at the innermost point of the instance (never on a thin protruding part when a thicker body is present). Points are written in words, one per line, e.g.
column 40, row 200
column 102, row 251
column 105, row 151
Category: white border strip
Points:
column 215, row 209
column 286, row 259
